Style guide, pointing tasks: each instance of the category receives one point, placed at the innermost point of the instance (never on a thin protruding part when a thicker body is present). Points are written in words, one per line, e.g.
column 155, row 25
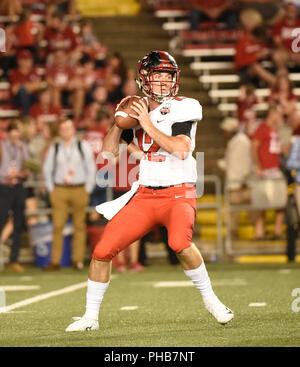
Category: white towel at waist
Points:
column 111, row 208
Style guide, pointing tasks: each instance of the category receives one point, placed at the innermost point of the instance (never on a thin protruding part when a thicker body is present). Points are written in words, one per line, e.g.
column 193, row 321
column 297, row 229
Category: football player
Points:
column 165, row 193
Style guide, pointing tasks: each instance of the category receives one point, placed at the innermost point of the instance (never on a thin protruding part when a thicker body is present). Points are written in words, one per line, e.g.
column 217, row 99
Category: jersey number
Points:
column 149, row 146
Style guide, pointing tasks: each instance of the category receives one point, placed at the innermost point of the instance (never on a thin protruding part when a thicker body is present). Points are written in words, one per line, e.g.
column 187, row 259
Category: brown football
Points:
column 122, row 118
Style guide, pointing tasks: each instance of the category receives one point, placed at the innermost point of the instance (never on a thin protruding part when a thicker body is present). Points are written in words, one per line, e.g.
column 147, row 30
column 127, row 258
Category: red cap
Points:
column 24, row 54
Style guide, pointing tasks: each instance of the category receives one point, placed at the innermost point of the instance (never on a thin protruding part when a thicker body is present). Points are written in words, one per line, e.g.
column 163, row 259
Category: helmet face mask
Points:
column 157, row 61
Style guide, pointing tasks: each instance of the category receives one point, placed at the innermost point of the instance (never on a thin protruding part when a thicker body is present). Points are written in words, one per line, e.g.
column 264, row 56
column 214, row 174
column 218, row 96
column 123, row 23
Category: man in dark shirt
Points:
column 13, row 153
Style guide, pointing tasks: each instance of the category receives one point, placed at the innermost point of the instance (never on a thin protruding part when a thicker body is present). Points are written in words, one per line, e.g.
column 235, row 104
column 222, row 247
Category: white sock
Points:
column 94, row 296
column 200, row 278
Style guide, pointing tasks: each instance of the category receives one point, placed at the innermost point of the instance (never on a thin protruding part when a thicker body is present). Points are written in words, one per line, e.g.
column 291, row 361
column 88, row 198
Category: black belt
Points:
column 166, row 187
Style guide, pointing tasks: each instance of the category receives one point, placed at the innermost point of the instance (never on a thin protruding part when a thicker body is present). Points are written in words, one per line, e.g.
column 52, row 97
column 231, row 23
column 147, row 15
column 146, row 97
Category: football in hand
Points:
column 122, row 118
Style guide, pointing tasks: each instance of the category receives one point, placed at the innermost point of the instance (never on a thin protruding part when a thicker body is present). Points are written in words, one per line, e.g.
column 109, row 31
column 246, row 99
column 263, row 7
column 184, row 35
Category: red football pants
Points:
column 173, row 207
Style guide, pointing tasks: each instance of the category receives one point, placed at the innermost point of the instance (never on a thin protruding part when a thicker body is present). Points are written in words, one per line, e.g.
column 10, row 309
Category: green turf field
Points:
column 165, row 316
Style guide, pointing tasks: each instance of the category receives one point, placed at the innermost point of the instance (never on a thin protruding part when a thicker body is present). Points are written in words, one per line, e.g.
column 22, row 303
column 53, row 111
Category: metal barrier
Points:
column 230, row 208
column 46, row 211
column 219, row 253
column 217, row 205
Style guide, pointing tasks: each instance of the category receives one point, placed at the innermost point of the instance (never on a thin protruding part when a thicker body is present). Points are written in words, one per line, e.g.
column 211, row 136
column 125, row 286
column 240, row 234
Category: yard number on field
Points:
column 296, row 302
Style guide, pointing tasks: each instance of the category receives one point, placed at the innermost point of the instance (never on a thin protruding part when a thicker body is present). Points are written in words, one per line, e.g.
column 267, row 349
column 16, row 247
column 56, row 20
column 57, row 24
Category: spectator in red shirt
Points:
column 266, row 149
column 212, row 10
column 251, row 48
column 25, row 82
column 283, row 38
column 44, row 111
column 282, row 95
column 246, row 103
column 89, row 76
column 59, row 35
column 96, row 131
column 26, row 34
column 8, row 60
column 65, row 84
column 91, row 46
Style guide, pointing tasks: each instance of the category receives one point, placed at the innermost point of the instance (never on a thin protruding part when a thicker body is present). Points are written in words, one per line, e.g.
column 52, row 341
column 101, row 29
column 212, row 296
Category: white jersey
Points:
column 158, row 167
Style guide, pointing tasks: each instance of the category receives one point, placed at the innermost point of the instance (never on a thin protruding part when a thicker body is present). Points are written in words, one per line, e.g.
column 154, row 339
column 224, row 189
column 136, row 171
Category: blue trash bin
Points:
column 41, row 236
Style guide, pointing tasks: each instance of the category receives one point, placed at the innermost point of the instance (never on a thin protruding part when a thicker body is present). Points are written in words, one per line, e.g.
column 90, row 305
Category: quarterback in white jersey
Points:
column 174, row 116
column 165, row 193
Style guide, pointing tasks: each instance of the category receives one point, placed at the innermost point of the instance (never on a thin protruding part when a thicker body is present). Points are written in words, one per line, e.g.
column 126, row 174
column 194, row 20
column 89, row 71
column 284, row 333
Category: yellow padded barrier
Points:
column 96, row 8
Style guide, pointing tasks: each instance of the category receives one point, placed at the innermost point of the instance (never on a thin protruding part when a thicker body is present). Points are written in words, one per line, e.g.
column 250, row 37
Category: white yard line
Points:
column 257, row 304
column 129, row 308
column 188, row 283
column 19, row 287
column 44, row 296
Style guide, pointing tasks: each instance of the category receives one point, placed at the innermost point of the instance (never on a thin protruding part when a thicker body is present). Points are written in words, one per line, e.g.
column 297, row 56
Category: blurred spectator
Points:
column 295, row 2
column 89, row 77
column 64, row 6
column 246, row 102
column 294, row 123
column 8, row 60
column 283, row 38
column 48, row 134
column 25, row 82
column 91, row 45
column 268, row 9
column 251, row 48
column 100, row 96
column 11, row 8
column 119, row 80
column 266, row 149
column 250, row 19
column 237, row 165
column 212, row 10
column 293, row 163
column 59, row 35
column 96, row 131
column 44, row 110
column 32, row 164
column 13, row 153
column 282, row 96
column 69, row 170
column 99, row 102
column 26, row 33
column 65, row 84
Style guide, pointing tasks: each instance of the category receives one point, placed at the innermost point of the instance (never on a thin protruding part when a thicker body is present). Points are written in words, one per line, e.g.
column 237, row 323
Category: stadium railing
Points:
column 45, row 211
column 218, row 252
column 272, row 197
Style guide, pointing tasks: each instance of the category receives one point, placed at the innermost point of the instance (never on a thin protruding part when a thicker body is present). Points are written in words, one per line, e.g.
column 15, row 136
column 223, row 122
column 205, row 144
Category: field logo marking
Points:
column 296, row 302
column 2, row 299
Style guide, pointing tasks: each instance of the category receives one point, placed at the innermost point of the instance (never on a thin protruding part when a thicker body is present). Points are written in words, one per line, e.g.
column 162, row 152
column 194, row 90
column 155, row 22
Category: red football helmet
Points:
column 157, row 61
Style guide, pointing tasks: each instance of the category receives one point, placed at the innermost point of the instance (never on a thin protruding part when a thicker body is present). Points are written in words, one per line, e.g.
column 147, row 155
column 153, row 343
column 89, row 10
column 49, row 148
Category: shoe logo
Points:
column 178, row 196
column 88, row 328
column 158, row 121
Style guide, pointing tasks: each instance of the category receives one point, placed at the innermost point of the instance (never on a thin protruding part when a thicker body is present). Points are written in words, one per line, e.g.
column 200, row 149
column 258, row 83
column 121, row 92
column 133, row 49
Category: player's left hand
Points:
column 141, row 113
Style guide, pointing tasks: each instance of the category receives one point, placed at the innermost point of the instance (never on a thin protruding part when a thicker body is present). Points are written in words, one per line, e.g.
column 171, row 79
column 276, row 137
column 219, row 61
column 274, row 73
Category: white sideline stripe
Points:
column 128, row 308
column 257, row 304
column 44, row 296
column 188, row 283
column 19, row 287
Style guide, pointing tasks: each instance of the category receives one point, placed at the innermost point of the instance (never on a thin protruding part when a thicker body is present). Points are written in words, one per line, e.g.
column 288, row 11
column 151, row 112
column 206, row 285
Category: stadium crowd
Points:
column 65, row 85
